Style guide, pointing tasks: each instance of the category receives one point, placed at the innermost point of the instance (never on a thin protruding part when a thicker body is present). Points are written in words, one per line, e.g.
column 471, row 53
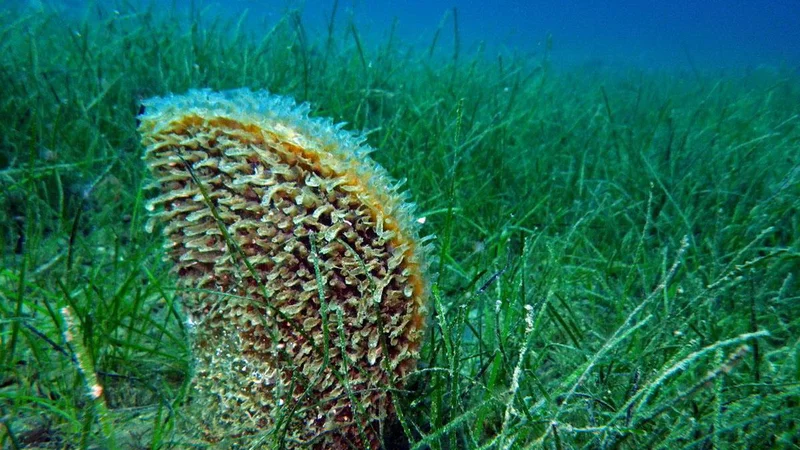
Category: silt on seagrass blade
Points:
column 300, row 267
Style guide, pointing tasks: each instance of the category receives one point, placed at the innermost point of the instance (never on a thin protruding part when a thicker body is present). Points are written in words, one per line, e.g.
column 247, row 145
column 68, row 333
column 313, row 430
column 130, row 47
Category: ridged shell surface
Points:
column 300, row 268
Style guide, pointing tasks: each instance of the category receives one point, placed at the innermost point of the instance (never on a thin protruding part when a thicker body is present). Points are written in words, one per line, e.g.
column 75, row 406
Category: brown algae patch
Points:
column 301, row 268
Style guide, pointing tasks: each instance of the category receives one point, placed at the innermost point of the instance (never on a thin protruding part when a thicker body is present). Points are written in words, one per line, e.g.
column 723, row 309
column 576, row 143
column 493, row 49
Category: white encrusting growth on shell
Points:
column 303, row 264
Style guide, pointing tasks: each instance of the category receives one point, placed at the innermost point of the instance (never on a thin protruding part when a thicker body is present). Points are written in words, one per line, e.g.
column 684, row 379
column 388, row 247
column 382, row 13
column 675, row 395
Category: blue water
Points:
column 713, row 32
column 677, row 33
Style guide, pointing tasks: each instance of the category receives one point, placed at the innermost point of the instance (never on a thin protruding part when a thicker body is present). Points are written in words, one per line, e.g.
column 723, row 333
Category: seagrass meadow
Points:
column 614, row 253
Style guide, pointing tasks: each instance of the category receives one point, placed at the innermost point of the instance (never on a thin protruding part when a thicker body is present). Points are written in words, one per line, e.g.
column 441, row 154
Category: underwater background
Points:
column 648, row 34
column 607, row 195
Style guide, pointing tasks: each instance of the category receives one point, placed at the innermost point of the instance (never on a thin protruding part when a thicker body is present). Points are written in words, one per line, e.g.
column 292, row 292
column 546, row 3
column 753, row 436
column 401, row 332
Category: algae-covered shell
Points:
column 301, row 263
